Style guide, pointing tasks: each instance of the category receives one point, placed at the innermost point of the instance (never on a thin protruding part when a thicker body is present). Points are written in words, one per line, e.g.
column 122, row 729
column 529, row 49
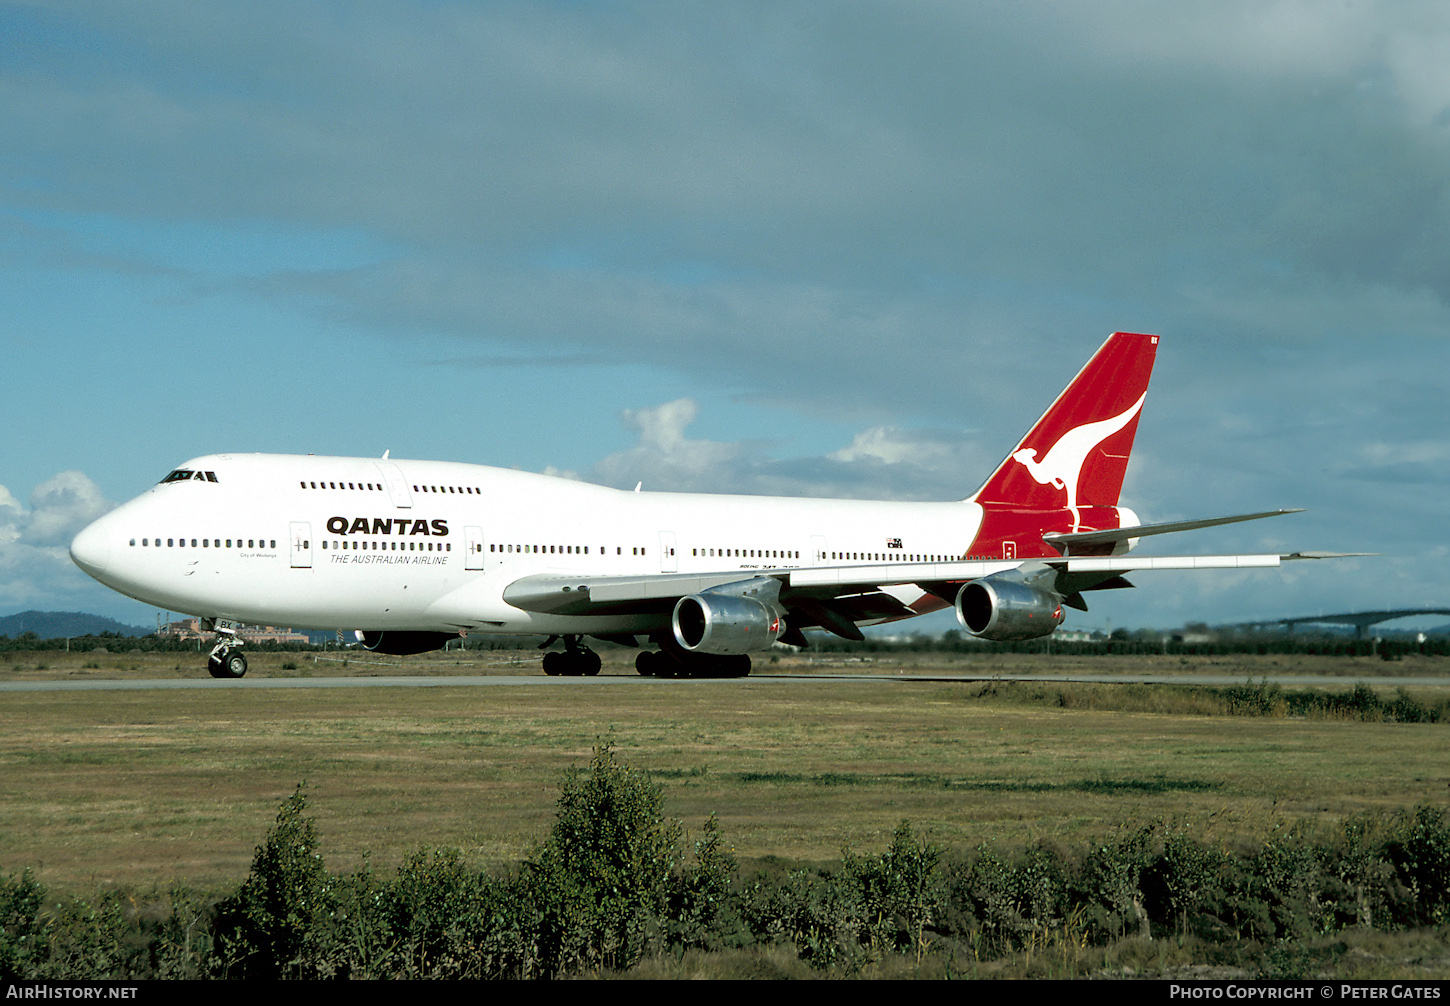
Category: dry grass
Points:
column 149, row 787
column 47, row 665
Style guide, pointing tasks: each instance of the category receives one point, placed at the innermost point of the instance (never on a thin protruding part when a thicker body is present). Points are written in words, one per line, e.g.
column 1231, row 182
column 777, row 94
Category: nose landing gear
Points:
column 226, row 659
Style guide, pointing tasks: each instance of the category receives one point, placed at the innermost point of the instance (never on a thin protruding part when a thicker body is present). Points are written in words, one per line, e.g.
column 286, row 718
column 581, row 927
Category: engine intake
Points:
column 1002, row 609
column 715, row 623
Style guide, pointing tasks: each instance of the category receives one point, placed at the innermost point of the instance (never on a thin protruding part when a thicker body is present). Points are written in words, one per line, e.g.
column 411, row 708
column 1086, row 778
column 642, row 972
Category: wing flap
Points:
column 886, row 574
column 556, row 594
column 664, row 585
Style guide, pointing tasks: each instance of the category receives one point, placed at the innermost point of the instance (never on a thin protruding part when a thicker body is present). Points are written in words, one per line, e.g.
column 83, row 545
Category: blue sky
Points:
column 843, row 249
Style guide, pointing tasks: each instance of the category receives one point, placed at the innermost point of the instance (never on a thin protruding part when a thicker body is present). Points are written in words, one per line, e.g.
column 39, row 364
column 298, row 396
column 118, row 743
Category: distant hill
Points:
column 64, row 624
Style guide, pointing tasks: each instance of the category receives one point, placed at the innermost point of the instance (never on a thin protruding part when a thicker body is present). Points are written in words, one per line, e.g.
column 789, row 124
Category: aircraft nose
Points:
column 91, row 550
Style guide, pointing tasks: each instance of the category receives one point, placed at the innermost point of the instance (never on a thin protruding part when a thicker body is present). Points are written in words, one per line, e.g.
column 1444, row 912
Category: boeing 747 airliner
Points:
column 412, row 554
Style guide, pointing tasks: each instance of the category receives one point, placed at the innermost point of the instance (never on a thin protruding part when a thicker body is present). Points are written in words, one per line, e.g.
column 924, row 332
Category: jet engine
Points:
column 725, row 624
column 999, row 608
column 402, row 644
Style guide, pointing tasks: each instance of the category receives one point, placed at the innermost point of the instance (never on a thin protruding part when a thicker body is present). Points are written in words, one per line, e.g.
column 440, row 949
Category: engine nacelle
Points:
column 1001, row 609
column 723, row 624
column 403, row 644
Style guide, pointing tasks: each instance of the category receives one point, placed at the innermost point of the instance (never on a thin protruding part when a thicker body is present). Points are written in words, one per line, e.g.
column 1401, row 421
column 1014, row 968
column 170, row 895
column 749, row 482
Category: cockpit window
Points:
column 186, row 474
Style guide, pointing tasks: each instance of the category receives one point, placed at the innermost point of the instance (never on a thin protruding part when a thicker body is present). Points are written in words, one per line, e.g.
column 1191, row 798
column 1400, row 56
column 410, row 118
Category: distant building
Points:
column 190, row 628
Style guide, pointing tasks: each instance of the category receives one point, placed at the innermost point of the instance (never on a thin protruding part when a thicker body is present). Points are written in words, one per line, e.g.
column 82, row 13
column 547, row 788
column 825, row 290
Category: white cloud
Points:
column 665, row 459
column 1418, row 452
column 12, row 514
column 61, row 506
column 35, row 564
column 880, row 463
column 893, row 446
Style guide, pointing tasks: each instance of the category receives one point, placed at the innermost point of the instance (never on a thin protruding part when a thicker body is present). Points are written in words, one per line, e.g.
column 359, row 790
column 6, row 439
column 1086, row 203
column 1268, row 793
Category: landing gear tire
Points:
column 657, row 664
column 668, row 664
column 735, row 667
column 721, row 666
column 235, row 665
column 576, row 661
column 227, row 665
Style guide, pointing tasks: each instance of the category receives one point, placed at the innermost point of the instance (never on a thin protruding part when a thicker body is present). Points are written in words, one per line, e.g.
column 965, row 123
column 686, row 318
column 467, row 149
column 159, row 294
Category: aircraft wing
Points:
column 1067, row 576
column 557, row 594
column 805, row 588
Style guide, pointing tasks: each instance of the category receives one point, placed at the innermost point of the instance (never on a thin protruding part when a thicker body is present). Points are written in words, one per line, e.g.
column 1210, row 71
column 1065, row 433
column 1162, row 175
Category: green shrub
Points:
column 814, row 914
column 703, row 912
column 85, row 941
column 897, row 894
column 21, row 939
column 276, row 925
column 1282, row 890
column 982, row 901
column 1184, row 878
column 423, row 910
column 601, row 880
column 1110, row 886
column 607, row 888
column 1420, row 854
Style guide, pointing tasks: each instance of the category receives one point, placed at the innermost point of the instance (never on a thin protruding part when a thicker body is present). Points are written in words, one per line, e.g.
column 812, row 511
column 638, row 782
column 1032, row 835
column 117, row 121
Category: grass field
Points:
column 153, row 787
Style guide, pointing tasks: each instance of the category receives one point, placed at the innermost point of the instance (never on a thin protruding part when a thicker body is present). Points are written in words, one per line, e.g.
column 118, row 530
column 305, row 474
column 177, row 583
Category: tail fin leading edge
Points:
column 1077, row 454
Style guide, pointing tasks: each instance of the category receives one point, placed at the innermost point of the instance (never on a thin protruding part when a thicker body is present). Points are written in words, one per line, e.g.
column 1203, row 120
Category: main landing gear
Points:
column 667, row 662
column 670, row 663
column 575, row 661
column 227, row 659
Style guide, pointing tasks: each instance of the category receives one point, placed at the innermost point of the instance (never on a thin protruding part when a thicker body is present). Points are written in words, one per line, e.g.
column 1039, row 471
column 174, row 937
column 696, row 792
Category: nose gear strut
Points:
column 226, row 659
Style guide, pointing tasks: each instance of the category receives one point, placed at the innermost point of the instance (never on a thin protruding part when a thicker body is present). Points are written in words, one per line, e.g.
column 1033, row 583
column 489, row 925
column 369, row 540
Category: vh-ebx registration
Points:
column 412, row 554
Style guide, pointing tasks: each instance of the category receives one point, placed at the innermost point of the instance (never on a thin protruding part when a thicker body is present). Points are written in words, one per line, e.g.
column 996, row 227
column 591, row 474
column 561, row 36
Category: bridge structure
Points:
column 1361, row 620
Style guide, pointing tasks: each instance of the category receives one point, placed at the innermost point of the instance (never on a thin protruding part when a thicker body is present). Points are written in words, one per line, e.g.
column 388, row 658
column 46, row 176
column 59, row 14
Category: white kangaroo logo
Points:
column 1062, row 467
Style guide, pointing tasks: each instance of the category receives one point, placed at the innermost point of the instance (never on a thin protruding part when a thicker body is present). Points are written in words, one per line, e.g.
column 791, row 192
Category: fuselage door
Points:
column 397, row 485
column 818, row 550
column 668, row 562
column 301, row 535
column 474, row 538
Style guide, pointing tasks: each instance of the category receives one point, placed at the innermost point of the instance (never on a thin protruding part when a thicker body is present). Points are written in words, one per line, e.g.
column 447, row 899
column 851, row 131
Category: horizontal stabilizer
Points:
column 1126, row 563
column 1117, row 534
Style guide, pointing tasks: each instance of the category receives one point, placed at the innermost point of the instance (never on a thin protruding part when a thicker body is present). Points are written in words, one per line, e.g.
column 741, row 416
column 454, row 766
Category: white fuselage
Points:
column 329, row 542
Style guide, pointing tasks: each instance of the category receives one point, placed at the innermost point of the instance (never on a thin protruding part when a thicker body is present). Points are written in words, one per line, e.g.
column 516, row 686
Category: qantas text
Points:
column 385, row 525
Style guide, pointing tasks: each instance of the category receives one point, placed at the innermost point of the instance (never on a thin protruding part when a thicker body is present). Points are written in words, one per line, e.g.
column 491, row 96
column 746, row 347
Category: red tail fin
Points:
column 1077, row 453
